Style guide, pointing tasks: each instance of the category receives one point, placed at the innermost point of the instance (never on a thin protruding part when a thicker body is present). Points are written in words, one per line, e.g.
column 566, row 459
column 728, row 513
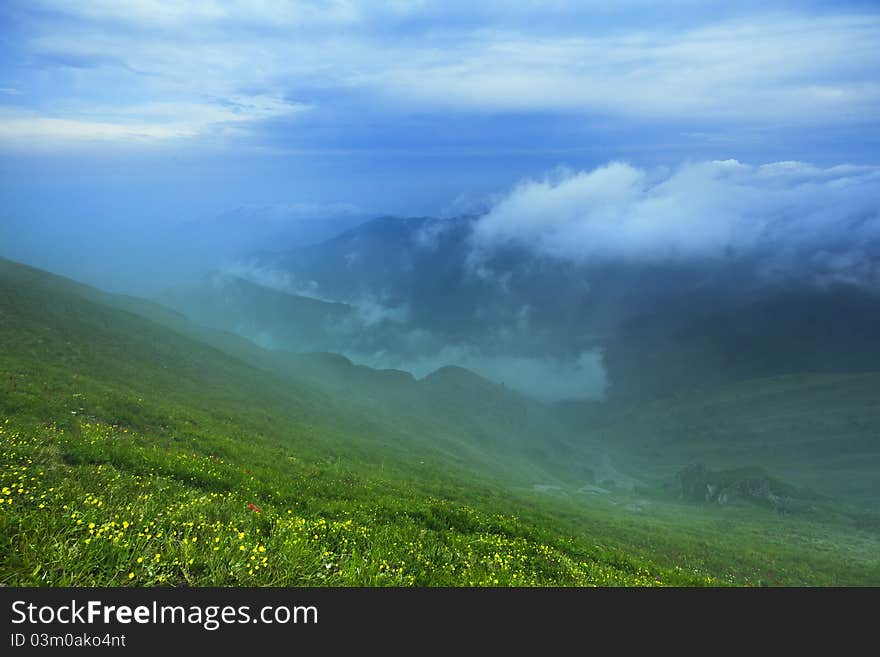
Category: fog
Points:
column 546, row 379
column 535, row 291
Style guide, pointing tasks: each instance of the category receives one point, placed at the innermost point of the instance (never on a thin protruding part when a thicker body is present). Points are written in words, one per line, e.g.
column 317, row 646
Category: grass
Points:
column 134, row 454
column 816, row 430
column 105, row 505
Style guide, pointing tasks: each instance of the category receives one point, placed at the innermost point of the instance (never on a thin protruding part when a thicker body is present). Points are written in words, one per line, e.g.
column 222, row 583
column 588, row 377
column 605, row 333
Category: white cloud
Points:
column 372, row 312
column 698, row 210
column 368, row 310
column 174, row 13
column 36, row 130
column 796, row 69
column 781, row 68
column 148, row 123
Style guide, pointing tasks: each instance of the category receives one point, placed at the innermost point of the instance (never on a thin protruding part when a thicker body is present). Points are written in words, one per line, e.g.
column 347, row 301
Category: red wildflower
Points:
column 253, row 507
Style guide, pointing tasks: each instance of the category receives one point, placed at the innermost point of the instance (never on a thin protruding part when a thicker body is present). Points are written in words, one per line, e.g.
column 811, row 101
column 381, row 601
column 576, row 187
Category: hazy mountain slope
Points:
column 659, row 326
column 423, row 266
column 817, row 430
column 810, row 330
column 135, row 436
column 471, row 419
column 267, row 316
column 205, row 454
column 392, row 405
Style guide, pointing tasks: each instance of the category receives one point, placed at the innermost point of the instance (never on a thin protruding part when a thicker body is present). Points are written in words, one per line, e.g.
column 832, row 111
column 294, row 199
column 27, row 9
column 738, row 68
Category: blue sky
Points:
column 121, row 116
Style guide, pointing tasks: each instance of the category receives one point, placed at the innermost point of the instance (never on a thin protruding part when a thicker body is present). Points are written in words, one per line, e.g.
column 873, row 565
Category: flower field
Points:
column 108, row 506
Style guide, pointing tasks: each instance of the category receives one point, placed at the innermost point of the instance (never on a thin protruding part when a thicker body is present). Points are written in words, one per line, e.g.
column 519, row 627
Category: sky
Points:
column 120, row 120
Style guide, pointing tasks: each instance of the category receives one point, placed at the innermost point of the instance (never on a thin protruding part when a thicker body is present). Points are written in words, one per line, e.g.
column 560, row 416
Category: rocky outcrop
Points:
column 697, row 483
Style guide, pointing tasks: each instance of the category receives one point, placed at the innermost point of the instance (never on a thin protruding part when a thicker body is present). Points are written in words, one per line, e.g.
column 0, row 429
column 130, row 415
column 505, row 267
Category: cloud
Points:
column 175, row 13
column 372, row 312
column 147, row 123
column 431, row 233
column 786, row 68
column 702, row 210
column 269, row 277
column 32, row 131
column 268, row 59
column 369, row 311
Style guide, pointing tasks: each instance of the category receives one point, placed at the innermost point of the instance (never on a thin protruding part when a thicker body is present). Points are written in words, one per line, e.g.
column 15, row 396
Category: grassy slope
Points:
column 816, row 430
column 131, row 454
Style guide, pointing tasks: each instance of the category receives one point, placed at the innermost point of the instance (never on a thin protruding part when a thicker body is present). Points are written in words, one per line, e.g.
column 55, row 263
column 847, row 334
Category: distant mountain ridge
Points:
column 468, row 417
column 396, row 289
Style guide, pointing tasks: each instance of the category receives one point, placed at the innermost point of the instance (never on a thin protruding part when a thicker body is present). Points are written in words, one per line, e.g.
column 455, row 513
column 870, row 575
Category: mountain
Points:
column 827, row 330
column 821, row 431
column 327, row 380
column 139, row 448
column 265, row 315
column 419, row 293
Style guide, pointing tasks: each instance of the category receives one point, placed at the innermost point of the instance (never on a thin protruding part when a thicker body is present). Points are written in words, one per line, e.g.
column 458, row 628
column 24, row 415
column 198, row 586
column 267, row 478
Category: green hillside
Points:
column 817, row 430
column 138, row 449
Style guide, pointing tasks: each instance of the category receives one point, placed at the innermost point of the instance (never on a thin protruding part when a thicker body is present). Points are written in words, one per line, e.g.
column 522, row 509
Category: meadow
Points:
column 133, row 454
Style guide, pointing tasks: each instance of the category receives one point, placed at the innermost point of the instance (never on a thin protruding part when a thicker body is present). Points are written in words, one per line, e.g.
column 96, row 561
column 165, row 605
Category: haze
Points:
column 145, row 147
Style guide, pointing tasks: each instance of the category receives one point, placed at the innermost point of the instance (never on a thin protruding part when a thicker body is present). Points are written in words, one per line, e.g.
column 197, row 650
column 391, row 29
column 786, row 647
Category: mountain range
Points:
column 414, row 294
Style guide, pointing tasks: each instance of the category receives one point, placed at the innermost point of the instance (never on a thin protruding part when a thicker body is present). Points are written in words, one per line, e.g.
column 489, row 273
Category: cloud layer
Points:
column 160, row 71
column 702, row 210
